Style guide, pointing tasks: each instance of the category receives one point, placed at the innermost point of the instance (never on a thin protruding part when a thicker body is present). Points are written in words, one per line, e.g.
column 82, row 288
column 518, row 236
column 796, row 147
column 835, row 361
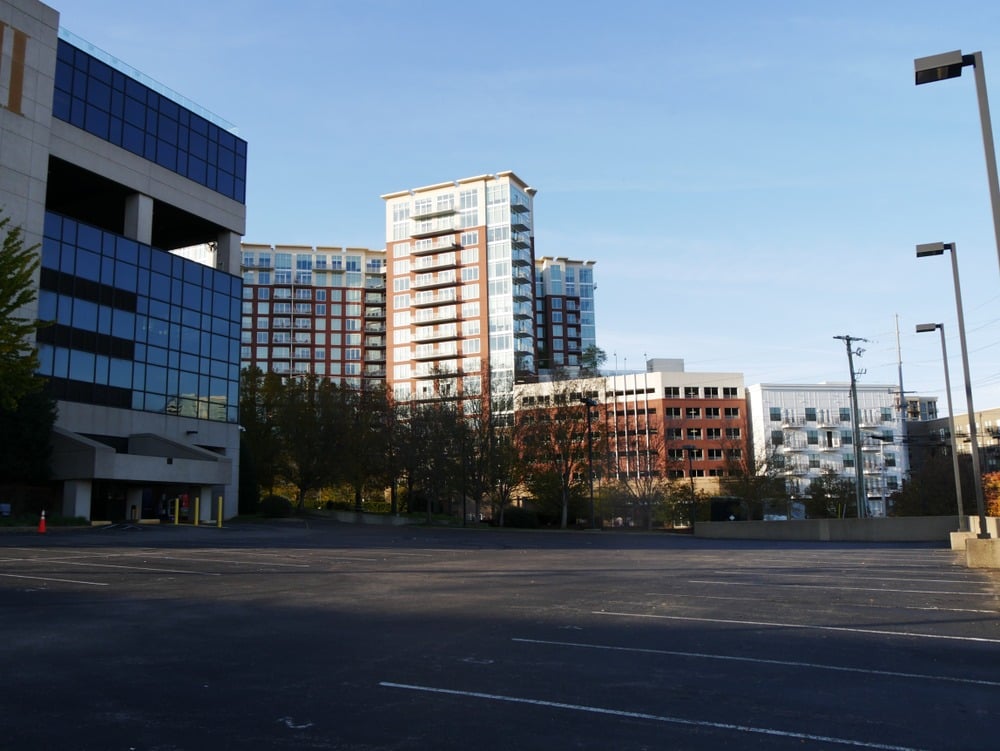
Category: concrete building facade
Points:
column 663, row 422
column 106, row 174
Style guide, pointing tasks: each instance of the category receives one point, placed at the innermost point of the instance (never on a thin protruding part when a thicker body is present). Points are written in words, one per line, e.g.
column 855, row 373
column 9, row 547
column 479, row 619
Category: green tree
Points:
column 18, row 360
column 435, row 457
column 591, row 361
column 260, row 399
column 360, row 438
column 28, row 432
column 930, row 490
column 307, row 422
column 831, row 496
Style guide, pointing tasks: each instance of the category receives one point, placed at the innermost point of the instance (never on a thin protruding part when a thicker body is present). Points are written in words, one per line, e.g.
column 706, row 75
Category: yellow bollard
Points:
column 218, row 522
column 177, row 511
column 197, row 509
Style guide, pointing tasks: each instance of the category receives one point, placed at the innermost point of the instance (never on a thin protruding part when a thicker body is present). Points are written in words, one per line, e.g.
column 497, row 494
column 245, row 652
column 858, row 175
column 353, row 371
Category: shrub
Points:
column 275, row 507
column 520, row 517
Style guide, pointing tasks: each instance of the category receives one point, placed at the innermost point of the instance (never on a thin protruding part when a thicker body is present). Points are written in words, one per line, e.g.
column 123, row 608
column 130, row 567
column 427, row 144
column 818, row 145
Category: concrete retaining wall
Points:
column 895, row 529
column 353, row 517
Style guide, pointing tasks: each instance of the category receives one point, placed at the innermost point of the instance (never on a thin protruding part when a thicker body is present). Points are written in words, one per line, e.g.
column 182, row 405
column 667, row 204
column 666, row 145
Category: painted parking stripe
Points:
column 760, row 661
column 647, row 716
column 951, row 593
column 805, row 626
column 932, row 608
column 52, row 579
column 860, row 576
column 90, row 564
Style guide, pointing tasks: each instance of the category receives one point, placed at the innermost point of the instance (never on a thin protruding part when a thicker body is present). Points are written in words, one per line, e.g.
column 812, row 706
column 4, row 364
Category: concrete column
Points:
column 76, row 498
column 139, row 218
column 205, row 513
column 228, row 252
column 133, row 504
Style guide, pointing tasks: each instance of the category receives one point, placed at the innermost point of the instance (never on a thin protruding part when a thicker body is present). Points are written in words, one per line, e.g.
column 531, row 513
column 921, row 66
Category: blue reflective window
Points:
column 156, row 379
column 81, row 365
column 123, row 324
column 89, row 238
column 88, row 265
column 67, row 258
column 179, row 334
column 85, row 315
column 120, row 373
column 101, row 370
column 156, row 356
column 104, row 316
column 64, row 310
column 60, row 362
column 47, row 302
column 126, row 276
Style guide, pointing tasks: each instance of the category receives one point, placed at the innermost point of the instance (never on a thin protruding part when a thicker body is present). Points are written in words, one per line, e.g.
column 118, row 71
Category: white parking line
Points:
column 647, row 716
column 857, row 575
column 760, row 661
column 51, row 579
column 951, row 593
column 90, row 564
column 770, row 624
column 681, row 595
column 237, row 562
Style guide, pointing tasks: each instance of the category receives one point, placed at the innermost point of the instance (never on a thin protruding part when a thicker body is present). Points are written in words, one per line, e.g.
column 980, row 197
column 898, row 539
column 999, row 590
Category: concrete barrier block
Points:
column 982, row 553
column 958, row 539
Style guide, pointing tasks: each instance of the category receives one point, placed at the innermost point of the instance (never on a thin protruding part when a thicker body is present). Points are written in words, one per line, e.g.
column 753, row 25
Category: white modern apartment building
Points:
column 807, row 430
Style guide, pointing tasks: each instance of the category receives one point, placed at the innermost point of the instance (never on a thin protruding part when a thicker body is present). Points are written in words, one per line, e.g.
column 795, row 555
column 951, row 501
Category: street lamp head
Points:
column 938, row 67
column 932, row 249
column 923, row 328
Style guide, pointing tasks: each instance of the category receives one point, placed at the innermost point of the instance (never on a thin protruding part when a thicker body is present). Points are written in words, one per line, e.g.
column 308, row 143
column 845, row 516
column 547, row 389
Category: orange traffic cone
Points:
column 41, row 524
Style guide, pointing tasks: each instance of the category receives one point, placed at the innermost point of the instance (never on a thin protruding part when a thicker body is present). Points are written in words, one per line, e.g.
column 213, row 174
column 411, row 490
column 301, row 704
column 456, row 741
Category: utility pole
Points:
column 903, row 416
column 859, row 469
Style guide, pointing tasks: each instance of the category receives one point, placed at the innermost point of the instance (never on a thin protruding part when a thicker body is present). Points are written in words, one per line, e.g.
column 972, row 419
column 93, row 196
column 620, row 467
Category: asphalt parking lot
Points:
column 323, row 636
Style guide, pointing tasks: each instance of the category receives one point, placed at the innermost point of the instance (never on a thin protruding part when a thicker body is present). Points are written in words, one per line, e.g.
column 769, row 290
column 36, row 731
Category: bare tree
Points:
column 758, row 480
column 552, row 432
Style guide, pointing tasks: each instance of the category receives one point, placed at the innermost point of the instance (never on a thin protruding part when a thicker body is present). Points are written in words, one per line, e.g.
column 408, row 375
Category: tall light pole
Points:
column 936, row 249
column 588, row 404
column 923, row 328
column 949, row 65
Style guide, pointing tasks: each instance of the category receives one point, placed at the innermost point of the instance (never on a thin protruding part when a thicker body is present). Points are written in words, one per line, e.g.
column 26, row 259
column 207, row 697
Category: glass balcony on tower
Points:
column 435, row 227
column 425, row 246
column 428, row 299
column 433, row 213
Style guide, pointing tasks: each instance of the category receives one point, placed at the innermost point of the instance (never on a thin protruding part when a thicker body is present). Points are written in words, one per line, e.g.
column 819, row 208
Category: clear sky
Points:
column 751, row 178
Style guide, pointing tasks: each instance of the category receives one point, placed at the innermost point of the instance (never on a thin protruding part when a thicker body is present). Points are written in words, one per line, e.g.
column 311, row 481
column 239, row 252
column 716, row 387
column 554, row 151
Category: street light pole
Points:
column 588, row 403
column 949, row 65
column 936, row 249
column 922, row 328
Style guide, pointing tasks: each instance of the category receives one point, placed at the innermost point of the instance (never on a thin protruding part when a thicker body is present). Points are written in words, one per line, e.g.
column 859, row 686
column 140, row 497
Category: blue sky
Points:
column 751, row 178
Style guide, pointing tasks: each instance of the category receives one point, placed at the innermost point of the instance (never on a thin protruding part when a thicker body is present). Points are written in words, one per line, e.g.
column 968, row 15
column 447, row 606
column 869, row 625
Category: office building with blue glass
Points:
column 108, row 173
